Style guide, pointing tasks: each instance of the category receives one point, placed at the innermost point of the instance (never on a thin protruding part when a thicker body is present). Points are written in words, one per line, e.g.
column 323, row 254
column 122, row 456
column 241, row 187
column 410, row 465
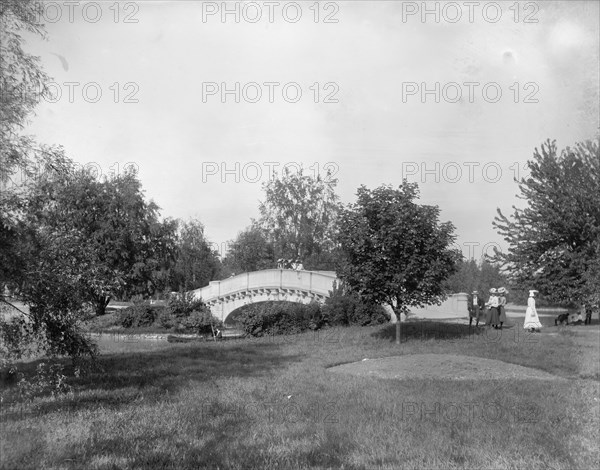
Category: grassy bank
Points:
column 272, row 403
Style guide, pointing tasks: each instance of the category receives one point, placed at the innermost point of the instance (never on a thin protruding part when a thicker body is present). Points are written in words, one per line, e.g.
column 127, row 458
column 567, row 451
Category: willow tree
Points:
column 22, row 85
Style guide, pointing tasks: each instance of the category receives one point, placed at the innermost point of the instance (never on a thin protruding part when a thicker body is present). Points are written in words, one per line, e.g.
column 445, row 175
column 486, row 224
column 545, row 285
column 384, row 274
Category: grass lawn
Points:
column 272, row 403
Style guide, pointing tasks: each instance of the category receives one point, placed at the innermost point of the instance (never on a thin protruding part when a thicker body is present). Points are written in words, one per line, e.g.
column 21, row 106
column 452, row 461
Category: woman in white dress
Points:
column 532, row 321
column 492, row 305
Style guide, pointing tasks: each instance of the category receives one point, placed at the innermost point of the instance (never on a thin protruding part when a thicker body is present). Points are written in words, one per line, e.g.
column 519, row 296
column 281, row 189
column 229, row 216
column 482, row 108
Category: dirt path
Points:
column 440, row 366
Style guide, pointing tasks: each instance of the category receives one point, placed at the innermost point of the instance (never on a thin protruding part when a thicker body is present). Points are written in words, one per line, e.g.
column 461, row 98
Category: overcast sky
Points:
column 364, row 63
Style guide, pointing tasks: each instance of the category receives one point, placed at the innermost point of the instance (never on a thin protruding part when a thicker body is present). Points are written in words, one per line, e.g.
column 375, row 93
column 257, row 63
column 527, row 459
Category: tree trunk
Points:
column 398, row 311
column 101, row 304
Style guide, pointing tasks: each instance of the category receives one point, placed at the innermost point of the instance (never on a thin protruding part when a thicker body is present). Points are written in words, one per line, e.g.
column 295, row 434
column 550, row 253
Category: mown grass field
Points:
column 272, row 403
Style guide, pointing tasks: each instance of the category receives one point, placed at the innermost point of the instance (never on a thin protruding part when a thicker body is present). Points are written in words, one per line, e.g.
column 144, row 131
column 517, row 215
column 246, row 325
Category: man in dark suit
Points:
column 475, row 305
column 588, row 315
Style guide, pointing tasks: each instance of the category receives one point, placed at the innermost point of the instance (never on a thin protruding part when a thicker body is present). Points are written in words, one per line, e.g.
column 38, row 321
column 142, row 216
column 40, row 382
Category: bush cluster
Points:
column 181, row 305
column 184, row 313
column 280, row 318
column 348, row 309
column 201, row 322
column 21, row 338
column 341, row 308
column 141, row 315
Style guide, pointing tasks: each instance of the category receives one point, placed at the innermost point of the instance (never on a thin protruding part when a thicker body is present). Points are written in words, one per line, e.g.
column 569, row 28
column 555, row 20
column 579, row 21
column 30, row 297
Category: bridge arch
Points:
column 227, row 295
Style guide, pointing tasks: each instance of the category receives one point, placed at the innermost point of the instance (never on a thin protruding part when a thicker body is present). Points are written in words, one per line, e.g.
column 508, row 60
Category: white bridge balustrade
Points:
column 227, row 295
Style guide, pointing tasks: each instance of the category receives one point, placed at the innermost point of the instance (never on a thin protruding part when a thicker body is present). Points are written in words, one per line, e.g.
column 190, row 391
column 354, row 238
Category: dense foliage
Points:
column 141, row 315
column 196, row 263
column 395, row 251
column 344, row 307
column 554, row 242
column 250, row 251
column 280, row 318
column 22, row 85
column 118, row 227
column 182, row 314
column 299, row 217
column 470, row 276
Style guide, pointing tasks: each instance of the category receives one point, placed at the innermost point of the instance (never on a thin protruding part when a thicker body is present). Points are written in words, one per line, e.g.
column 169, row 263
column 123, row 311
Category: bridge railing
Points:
column 319, row 282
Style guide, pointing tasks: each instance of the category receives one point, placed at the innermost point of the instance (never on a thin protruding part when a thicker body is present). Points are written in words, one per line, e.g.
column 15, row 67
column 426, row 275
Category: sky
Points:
column 207, row 98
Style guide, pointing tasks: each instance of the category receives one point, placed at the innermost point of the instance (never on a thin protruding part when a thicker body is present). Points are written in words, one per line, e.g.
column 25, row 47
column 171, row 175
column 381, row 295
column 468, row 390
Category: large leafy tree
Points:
column 395, row 250
column 164, row 249
column 124, row 241
column 51, row 273
column 250, row 251
column 22, row 83
column 554, row 241
column 197, row 262
column 56, row 278
column 49, row 266
column 299, row 215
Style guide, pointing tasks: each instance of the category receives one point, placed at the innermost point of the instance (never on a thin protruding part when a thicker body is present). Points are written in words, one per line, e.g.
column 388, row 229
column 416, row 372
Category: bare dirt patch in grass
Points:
column 442, row 367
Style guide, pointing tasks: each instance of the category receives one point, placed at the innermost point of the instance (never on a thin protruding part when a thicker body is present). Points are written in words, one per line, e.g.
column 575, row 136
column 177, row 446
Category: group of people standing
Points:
column 494, row 309
column 496, row 313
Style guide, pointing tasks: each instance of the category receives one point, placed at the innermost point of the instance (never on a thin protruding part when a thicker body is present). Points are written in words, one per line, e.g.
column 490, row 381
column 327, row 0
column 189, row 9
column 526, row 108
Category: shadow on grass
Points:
column 188, row 434
column 568, row 352
column 422, row 330
column 121, row 379
column 219, row 445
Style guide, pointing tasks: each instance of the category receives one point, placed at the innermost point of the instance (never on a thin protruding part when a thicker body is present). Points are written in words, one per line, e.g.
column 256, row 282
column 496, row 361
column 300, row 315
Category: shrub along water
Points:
column 273, row 318
column 141, row 315
column 280, row 318
column 184, row 313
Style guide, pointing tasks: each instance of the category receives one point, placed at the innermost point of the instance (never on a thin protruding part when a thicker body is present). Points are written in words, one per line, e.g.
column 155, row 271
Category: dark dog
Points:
column 562, row 318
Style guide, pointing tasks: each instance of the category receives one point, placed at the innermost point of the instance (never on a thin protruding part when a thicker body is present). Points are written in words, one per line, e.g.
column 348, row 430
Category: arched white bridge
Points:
column 227, row 295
